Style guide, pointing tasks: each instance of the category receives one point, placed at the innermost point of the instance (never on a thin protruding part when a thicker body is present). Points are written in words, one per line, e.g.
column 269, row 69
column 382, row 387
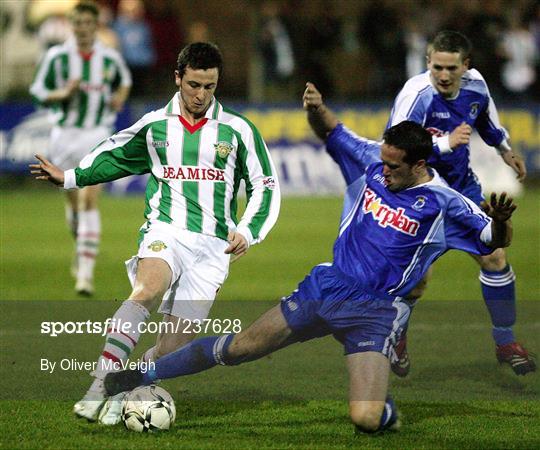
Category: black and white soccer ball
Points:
column 148, row 409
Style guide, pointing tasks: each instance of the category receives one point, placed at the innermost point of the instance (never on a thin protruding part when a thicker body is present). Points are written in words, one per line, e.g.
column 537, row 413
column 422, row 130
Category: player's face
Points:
column 197, row 88
column 398, row 174
column 85, row 26
column 446, row 70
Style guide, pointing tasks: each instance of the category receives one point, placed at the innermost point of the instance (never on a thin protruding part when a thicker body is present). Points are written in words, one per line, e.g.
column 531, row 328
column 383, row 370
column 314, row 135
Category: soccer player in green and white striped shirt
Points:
column 84, row 84
column 197, row 152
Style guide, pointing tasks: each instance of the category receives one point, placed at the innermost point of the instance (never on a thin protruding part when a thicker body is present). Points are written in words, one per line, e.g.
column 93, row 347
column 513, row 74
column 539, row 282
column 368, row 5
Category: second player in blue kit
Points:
column 451, row 99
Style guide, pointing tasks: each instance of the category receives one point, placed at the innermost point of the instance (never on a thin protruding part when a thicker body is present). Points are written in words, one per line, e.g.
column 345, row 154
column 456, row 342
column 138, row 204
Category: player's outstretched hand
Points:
column 516, row 162
column 500, row 209
column 238, row 245
column 312, row 98
column 461, row 135
column 46, row 170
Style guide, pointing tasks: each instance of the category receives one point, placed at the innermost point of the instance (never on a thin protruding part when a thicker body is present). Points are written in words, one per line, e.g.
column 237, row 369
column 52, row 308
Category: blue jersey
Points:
column 420, row 102
column 388, row 240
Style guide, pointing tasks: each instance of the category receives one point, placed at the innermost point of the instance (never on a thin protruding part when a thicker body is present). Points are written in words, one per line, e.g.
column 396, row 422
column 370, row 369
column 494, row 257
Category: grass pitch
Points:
column 456, row 396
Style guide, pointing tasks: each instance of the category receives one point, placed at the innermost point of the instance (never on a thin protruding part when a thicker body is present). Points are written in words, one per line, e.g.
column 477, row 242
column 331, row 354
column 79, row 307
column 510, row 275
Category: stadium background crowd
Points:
column 353, row 50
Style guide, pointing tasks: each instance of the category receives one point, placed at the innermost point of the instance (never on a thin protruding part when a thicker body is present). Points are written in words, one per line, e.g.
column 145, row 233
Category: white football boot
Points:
column 89, row 406
column 111, row 413
column 84, row 287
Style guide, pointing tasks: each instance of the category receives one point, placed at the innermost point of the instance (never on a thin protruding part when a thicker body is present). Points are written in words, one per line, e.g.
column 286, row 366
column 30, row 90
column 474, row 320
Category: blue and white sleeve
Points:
column 409, row 105
column 489, row 128
column 351, row 152
column 467, row 227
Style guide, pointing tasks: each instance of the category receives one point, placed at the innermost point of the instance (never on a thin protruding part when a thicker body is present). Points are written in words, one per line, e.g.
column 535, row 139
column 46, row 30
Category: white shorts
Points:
column 198, row 263
column 68, row 145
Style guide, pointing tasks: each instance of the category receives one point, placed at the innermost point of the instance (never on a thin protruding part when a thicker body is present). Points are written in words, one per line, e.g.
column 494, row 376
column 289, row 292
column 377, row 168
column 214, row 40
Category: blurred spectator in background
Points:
column 276, row 50
column 518, row 72
column 484, row 26
column 168, row 40
column 136, row 43
column 322, row 36
column 416, row 42
column 381, row 30
column 535, row 30
column 20, row 50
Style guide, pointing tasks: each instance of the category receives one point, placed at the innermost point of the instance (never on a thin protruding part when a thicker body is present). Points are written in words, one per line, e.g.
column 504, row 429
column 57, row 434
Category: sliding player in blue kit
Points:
column 449, row 99
column 397, row 219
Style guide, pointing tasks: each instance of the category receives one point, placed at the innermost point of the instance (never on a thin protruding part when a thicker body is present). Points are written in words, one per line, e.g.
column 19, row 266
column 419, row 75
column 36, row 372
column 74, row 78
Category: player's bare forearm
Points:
column 62, row 94
column 515, row 161
column 500, row 210
column 321, row 119
column 47, row 171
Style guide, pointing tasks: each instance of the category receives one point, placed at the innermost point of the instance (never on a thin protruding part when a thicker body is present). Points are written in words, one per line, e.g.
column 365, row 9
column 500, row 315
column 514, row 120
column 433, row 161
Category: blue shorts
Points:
column 325, row 303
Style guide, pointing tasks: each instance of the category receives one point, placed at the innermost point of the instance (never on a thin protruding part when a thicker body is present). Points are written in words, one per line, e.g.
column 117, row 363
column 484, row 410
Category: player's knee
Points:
column 366, row 416
column 417, row 291
column 88, row 198
column 495, row 261
column 147, row 294
column 85, row 204
column 145, row 297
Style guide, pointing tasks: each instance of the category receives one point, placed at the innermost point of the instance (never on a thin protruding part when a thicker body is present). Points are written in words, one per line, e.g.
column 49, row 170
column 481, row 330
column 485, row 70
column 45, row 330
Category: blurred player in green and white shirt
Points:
column 84, row 84
column 197, row 152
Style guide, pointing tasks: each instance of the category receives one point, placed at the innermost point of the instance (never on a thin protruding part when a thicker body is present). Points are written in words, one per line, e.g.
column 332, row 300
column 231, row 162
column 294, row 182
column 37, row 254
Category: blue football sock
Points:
column 201, row 354
column 499, row 291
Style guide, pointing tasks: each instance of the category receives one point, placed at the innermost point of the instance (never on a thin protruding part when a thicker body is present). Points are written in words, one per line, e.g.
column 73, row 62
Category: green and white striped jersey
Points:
column 100, row 73
column 195, row 171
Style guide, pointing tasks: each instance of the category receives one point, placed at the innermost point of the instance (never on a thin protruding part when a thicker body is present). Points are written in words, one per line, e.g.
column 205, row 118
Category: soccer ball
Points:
column 148, row 409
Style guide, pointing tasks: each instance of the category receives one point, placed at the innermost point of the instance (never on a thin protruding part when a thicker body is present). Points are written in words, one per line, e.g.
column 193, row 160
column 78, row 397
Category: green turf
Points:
column 457, row 396
column 36, row 250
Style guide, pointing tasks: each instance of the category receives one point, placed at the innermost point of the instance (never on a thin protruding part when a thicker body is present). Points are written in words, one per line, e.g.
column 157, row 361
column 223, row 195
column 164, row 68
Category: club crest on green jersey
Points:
column 223, row 149
column 157, row 246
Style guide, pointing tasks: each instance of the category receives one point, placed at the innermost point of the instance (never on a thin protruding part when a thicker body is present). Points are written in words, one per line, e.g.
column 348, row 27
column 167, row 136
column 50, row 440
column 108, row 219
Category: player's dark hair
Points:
column 86, row 6
column 412, row 138
column 451, row 42
column 200, row 55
